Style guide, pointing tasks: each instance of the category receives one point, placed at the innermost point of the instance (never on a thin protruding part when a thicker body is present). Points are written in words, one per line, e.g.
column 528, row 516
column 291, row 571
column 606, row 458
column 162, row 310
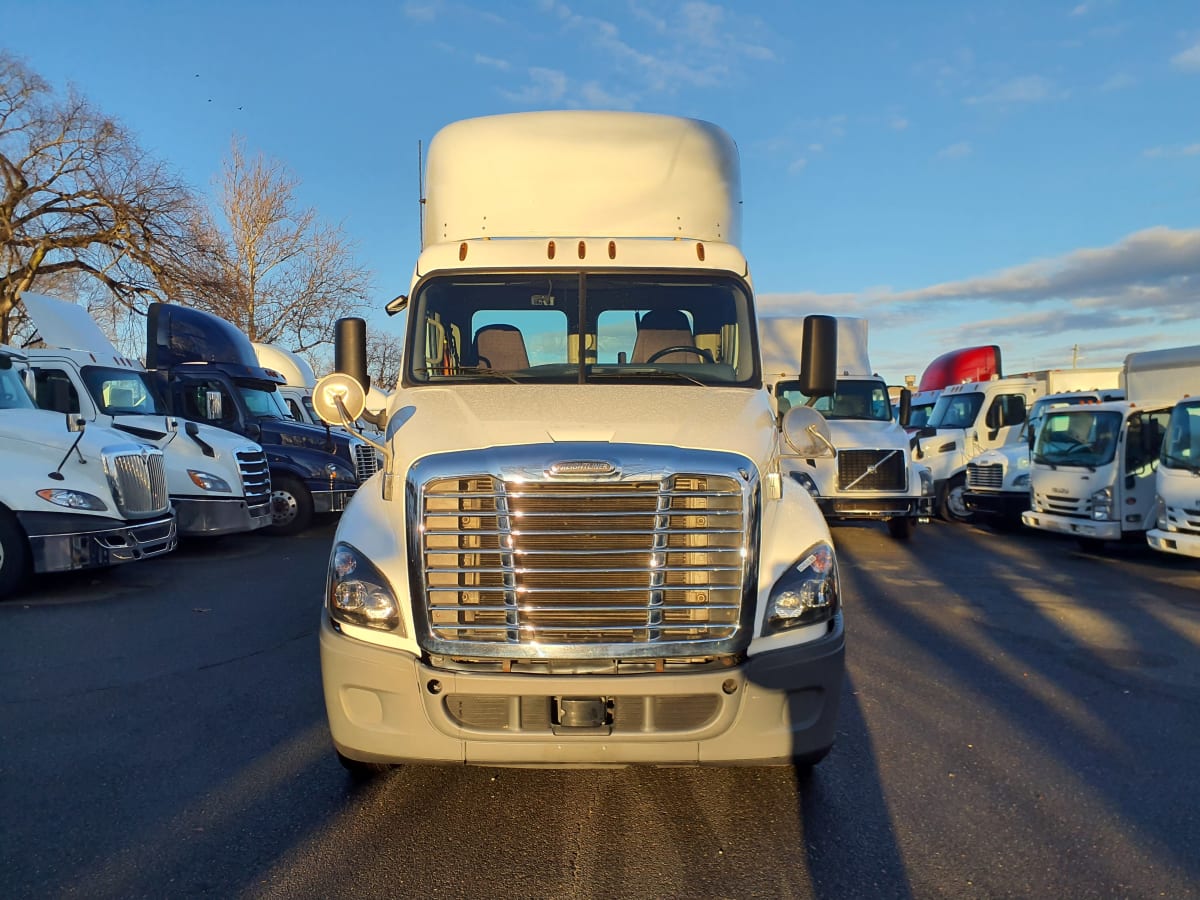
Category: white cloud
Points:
column 1172, row 152
column 797, row 166
column 597, row 97
column 899, row 123
column 961, row 150
column 1188, row 60
column 1026, row 89
column 1080, row 10
column 423, row 12
column 501, row 64
column 1118, row 82
column 545, row 86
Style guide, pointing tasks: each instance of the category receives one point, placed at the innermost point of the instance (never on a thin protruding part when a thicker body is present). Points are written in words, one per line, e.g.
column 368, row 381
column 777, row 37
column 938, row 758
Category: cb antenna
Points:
column 420, row 198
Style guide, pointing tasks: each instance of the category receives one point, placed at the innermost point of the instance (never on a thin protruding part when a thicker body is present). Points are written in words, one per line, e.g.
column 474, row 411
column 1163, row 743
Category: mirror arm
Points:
column 348, row 423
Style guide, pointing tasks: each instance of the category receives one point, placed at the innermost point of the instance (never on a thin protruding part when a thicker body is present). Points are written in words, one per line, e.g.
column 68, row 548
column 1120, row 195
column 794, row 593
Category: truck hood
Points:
column 466, row 417
column 46, row 430
column 851, row 434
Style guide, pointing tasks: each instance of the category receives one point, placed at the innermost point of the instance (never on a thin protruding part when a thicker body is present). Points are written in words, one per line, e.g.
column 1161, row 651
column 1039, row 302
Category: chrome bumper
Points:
column 213, row 517
column 83, row 542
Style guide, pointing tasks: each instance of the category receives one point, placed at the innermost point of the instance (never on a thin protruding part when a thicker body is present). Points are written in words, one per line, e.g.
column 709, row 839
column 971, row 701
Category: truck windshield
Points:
column 1181, row 446
column 121, row 392
column 264, row 404
column 956, row 410
column 918, row 416
column 13, row 394
column 530, row 328
column 1077, row 437
column 852, row 400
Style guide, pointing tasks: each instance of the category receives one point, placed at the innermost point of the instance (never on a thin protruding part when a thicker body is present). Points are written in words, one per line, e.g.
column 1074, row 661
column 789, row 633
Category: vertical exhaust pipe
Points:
column 350, row 350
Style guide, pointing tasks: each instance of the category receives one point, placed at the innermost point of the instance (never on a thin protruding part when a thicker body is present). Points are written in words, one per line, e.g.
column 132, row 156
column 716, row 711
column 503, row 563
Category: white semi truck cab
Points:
column 1177, row 512
column 218, row 480
column 873, row 475
column 1093, row 471
column 73, row 495
column 581, row 550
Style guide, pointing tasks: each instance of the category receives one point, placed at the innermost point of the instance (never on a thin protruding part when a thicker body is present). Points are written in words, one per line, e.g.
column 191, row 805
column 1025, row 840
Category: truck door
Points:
column 1003, row 420
column 1144, row 431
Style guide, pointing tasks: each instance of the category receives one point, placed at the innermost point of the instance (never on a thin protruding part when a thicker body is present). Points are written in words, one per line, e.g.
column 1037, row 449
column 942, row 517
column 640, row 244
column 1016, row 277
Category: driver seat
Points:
column 500, row 348
column 662, row 328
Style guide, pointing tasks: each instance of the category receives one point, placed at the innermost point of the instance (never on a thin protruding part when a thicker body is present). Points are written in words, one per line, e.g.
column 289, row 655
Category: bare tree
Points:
column 81, row 198
column 275, row 271
column 383, row 359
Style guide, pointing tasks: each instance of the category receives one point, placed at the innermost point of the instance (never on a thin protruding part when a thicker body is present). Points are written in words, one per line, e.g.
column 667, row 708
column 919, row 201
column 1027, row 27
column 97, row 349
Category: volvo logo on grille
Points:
column 581, row 467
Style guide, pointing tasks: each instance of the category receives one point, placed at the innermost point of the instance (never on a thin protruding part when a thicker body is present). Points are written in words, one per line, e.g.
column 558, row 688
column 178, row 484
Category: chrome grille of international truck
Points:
column 618, row 568
column 256, row 476
column 987, row 476
column 138, row 480
column 366, row 461
column 872, row 470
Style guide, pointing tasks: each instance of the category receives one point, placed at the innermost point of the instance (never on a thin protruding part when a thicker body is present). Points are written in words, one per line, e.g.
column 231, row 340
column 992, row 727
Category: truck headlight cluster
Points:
column 1102, row 504
column 206, row 481
column 807, row 593
column 926, row 483
column 1160, row 514
column 1022, row 481
column 335, row 472
column 358, row 593
column 72, row 499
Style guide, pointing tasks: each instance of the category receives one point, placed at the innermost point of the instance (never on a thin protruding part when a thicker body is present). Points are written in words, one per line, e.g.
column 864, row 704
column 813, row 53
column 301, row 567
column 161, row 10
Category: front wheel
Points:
column 291, row 507
column 900, row 527
column 952, row 505
column 14, row 554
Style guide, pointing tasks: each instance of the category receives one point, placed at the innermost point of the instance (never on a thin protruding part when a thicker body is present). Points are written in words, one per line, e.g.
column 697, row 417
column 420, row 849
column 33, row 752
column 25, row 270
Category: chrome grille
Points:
column 985, row 475
column 872, row 470
column 138, row 480
column 511, row 564
column 366, row 461
column 256, row 476
column 1063, row 505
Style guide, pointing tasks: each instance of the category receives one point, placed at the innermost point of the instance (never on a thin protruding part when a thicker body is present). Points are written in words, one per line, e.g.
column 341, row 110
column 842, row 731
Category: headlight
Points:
column 1021, row 481
column 336, row 472
column 926, row 483
column 807, row 593
column 72, row 499
column 806, row 482
column 206, row 481
column 1102, row 504
column 1160, row 513
column 359, row 594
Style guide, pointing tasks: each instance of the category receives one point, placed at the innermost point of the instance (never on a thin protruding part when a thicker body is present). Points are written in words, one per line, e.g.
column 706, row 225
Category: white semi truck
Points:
column 73, row 495
column 1093, row 467
column 984, row 415
column 581, row 550
column 218, row 480
column 873, row 475
column 1177, row 511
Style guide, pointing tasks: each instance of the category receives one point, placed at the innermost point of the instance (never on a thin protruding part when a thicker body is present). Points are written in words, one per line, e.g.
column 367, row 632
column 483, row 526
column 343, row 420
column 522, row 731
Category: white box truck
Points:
column 73, row 495
column 218, row 481
column 1177, row 483
column 873, row 475
column 581, row 550
column 1093, row 467
column 984, row 415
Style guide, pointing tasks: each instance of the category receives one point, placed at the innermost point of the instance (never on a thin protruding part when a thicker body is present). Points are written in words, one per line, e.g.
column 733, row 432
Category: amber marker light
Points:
column 462, row 251
column 550, row 250
column 700, row 252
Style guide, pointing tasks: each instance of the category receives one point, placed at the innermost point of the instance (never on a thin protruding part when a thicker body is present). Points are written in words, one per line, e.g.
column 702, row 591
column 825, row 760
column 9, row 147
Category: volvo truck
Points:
column 74, row 495
column 206, row 370
column 218, row 481
column 1094, row 467
column 582, row 550
column 872, row 476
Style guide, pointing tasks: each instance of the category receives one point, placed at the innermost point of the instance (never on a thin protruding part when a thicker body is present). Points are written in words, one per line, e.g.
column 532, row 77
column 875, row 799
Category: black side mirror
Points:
column 818, row 361
column 905, row 410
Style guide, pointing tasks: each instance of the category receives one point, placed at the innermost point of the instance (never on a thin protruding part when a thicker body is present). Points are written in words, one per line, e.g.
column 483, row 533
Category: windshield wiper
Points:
column 1182, row 463
column 469, row 373
column 648, row 373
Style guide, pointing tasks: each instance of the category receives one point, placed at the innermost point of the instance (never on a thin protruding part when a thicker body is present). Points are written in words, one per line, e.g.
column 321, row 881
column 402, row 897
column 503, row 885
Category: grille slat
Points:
column 985, row 476
column 658, row 560
column 256, row 476
column 366, row 461
column 139, row 482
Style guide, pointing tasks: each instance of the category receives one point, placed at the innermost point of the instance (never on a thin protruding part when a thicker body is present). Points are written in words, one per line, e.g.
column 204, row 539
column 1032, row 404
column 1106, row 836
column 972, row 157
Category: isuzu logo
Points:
column 577, row 467
column 1058, row 490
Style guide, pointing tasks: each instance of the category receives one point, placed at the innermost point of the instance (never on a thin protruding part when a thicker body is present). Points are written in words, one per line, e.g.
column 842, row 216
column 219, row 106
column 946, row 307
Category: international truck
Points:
column 1093, row 471
column 582, row 550
column 953, row 367
column 1177, row 505
column 984, row 415
column 872, row 476
column 998, row 480
column 74, row 495
column 207, row 372
column 218, row 481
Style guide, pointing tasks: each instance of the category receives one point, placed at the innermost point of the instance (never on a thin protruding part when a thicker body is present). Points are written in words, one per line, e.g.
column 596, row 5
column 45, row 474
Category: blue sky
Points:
column 1026, row 174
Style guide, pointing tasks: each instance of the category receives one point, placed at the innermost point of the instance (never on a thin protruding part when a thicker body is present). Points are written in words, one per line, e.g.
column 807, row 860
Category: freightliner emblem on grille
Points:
column 577, row 467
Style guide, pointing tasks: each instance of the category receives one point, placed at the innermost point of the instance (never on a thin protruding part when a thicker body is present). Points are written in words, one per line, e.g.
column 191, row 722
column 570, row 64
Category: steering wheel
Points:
column 700, row 352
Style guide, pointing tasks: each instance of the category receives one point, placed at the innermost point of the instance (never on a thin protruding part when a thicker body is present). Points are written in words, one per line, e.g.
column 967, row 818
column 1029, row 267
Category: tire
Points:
column 803, row 765
column 901, row 527
column 362, row 771
column 950, row 503
column 291, row 507
column 14, row 554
